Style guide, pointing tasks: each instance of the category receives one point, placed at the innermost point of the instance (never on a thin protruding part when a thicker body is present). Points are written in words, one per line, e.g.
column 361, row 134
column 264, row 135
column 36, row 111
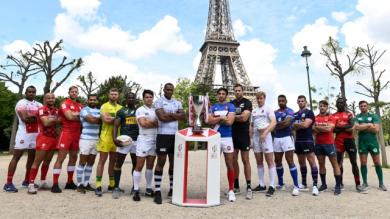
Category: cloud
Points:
column 240, row 29
column 84, row 9
column 340, row 16
column 16, row 46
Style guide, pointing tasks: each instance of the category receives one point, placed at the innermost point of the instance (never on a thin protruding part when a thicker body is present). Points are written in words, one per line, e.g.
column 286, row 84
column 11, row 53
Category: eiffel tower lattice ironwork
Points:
column 221, row 47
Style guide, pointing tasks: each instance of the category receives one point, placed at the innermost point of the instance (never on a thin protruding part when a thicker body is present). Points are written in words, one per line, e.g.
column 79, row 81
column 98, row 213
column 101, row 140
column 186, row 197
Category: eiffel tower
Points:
column 221, row 47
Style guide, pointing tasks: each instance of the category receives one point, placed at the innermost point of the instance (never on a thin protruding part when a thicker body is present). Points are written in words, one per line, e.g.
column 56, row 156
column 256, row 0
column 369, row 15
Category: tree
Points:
column 89, row 84
column 377, row 86
column 8, row 100
column 44, row 57
column 324, row 94
column 120, row 83
column 19, row 69
column 331, row 50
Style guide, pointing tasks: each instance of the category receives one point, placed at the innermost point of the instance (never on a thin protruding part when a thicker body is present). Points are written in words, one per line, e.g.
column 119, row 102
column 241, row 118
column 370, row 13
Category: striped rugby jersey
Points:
column 90, row 131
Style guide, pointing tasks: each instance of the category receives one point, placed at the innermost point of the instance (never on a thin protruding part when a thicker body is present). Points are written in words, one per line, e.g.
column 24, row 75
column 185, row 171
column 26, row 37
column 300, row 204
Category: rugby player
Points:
column 283, row 143
column 169, row 111
column 323, row 129
column 263, row 122
column 106, row 145
column 222, row 115
column 146, row 144
column 125, row 119
column 345, row 141
column 27, row 112
column 68, row 141
column 46, row 142
column 241, row 139
column 367, row 125
column 304, row 144
column 90, row 121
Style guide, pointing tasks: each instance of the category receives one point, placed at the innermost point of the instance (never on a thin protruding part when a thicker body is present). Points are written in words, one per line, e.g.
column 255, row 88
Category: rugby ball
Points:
column 125, row 140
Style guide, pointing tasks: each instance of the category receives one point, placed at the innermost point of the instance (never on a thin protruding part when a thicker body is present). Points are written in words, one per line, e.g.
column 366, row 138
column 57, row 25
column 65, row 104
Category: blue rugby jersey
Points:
column 89, row 131
column 280, row 116
column 223, row 109
column 304, row 135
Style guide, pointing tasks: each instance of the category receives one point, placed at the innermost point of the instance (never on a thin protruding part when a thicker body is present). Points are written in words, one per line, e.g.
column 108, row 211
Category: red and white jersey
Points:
column 45, row 110
column 31, row 108
column 67, row 125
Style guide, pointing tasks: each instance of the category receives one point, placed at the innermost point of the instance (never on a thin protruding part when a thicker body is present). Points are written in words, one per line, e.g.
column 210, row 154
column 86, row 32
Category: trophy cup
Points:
column 198, row 106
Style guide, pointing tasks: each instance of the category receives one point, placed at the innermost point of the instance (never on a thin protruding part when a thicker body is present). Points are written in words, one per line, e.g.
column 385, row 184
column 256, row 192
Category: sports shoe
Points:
column 98, row 192
column 281, row 187
column 303, row 188
column 270, row 191
column 89, row 188
column 249, row 194
column 295, row 191
column 260, row 188
column 157, row 198
column 231, row 196
column 110, row 188
column 44, row 186
column 136, row 196
column 149, row 192
column 342, row 186
column 170, row 193
column 116, row 193
column 315, row 191
column 323, row 188
column 10, row 187
column 56, row 189
column 25, row 184
column 382, row 187
column 337, row 190
column 31, row 189
column 237, row 191
column 81, row 189
column 361, row 189
column 71, row 186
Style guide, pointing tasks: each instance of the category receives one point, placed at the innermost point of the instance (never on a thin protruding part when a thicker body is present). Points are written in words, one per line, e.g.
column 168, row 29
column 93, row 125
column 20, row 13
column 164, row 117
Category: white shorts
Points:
column 284, row 144
column 25, row 141
column 262, row 146
column 132, row 148
column 146, row 145
column 227, row 145
column 88, row 146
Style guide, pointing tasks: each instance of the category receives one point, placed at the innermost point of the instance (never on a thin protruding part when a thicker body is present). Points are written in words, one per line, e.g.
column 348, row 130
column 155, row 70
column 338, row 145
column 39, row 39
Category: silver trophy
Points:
column 198, row 106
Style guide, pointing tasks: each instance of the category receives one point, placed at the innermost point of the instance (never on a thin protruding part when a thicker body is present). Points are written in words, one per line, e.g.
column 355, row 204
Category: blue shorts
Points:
column 325, row 150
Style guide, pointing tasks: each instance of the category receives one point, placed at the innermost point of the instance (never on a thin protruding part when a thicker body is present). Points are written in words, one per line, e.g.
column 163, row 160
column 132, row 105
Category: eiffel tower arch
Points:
column 221, row 47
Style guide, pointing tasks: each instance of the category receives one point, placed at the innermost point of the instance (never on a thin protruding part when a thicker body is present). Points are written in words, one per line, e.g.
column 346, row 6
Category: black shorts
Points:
column 350, row 146
column 241, row 141
column 165, row 144
column 325, row 150
column 304, row 147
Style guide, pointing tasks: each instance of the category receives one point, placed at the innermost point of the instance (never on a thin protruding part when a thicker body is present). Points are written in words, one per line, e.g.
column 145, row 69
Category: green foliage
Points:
column 7, row 112
column 120, row 83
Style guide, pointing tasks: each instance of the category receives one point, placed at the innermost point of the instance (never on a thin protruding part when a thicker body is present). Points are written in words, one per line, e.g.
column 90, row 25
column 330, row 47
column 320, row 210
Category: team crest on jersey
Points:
column 229, row 148
column 21, row 141
column 62, row 145
column 72, row 107
column 369, row 119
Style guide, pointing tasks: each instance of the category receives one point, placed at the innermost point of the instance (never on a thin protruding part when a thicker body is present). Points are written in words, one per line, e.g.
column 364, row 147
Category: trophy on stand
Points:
column 197, row 104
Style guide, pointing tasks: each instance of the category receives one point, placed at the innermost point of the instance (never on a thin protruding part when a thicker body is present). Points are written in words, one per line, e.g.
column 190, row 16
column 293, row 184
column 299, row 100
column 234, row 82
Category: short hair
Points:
column 282, row 96
column 168, row 84
column 222, row 89
column 147, row 92
column 341, row 99
column 91, row 95
column 72, row 87
column 324, row 102
column 238, row 85
column 363, row 101
column 30, row 87
column 114, row 89
column 128, row 94
column 301, row 97
column 261, row 93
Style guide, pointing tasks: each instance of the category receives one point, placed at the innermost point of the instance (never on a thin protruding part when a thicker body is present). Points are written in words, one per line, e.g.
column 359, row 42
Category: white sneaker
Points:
column 31, row 189
column 295, row 191
column 44, row 185
column 303, row 188
column 231, row 196
column 281, row 187
column 249, row 194
column 315, row 191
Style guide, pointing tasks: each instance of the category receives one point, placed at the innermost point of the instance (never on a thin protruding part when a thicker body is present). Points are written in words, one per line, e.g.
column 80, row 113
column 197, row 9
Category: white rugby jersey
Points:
column 149, row 113
column 169, row 106
column 261, row 116
column 31, row 107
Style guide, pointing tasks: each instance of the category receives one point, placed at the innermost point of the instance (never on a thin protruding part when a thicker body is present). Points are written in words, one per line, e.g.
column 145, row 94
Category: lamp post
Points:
column 305, row 54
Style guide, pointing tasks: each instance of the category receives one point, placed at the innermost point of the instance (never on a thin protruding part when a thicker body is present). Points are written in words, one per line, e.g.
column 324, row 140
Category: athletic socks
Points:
column 149, row 178
column 87, row 174
column 379, row 173
column 111, row 180
column 10, row 176
column 314, row 175
column 272, row 174
column 323, row 178
column 363, row 169
column 98, row 181
column 231, row 175
column 79, row 175
column 70, row 171
column 236, row 183
column 157, row 179
column 304, row 174
column 44, row 170
column 56, row 175
column 338, row 181
column 248, row 184
column 33, row 175
column 260, row 173
column 117, row 177
column 294, row 174
column 355, row 171
column 136, row 179
column 280, row 172
column 170, row 179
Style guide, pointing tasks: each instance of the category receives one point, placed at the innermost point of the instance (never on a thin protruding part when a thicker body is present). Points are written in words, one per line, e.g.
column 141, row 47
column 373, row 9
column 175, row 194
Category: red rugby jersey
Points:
column 324, row 137
column 67, row 125
column 49, row 112
column 343, row 119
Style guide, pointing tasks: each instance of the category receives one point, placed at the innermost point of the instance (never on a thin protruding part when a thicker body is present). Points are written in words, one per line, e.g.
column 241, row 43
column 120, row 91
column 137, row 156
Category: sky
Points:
column 158, row 41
